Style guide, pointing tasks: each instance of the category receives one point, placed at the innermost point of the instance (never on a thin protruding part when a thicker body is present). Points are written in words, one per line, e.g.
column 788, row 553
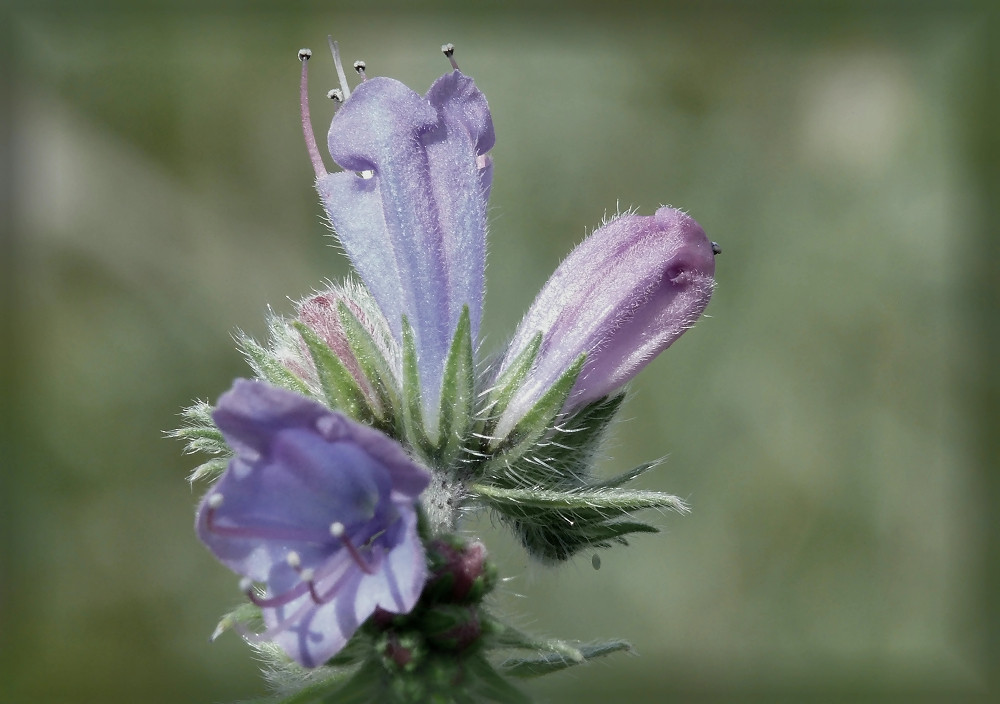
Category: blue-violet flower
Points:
column 409, row 207
column 318, row 508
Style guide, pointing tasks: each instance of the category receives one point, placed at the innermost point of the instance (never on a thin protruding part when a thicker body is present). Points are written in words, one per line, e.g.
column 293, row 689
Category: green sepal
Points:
column 487, row 683
column 457, row 392
column 553, row 662
column 266, row 366
column 553, row 543
column 537, row 421
column 413, row 417
column 246, row 615
column 210, row 470
column 583, row 504
column 563, row 459
column 508, row 637
column 370, row 359
column 625, row 477
column 199, row 431
column 510, row 381
column 341, row 390
column 553, row 525
column 365, row 686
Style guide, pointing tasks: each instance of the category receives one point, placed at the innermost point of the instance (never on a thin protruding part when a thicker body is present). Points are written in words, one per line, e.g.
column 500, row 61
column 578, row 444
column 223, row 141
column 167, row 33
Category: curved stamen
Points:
column 260, row 532
column 337, row 531
column 314, row 156
column 279, row 600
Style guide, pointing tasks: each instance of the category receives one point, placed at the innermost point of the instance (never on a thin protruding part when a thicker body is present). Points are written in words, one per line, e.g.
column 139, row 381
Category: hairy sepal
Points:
column 340, row 390
column 268, row 367
column 546, row 663
column 538, row 421
column 457, row 393
column 509, row 382
column 413, row 415
column 373, row 364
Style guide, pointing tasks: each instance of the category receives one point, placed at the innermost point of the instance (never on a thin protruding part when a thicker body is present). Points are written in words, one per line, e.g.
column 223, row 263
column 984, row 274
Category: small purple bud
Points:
column 622, row 297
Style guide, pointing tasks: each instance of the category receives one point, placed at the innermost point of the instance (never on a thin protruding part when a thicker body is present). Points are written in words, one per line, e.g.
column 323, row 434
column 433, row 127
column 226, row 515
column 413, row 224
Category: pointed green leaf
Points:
column 365, row 686
column 200, row 438
column 457, row 392
column 413, row 418
column 623, row 478
column 557, row 541
column 490, row 684
column 340, row 388
column 370, row 358
column 562, row 460
column 538, row 421
column 592, row 504
column 510, row 381
column 268, row 368
column 553, row 662
column 505, row 636
column 209, row 470
column 246, row 614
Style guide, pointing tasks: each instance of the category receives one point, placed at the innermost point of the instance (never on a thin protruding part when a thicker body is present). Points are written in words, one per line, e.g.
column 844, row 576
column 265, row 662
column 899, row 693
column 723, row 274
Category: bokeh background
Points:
column 832, row 422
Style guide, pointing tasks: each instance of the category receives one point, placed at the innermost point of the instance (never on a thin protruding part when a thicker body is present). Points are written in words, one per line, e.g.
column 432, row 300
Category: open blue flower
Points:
column 320, row 510
column 409, row 207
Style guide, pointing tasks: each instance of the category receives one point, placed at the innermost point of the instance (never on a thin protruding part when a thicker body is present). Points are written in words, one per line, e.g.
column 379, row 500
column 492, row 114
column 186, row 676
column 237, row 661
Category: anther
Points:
column 293, row 560
column 305, row 54
column 716, row 249
column 338, row 531
column 360, row 67
column 449, row 51
column 336, row 94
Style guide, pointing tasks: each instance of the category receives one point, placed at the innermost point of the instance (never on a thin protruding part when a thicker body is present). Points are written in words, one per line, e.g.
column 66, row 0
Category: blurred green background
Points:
column 832, row 422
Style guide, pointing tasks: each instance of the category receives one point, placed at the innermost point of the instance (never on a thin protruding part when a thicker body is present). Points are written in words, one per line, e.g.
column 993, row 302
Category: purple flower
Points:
column 622, row 297
column 318, row 508
column 409, row 207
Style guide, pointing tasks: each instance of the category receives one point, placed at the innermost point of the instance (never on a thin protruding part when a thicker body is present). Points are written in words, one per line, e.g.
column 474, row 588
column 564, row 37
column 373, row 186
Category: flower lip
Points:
column 319, row 509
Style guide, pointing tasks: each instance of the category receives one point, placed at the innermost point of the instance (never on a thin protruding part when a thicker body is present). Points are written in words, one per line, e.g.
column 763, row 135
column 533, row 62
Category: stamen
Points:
column 449, row 51
column 281, row 533
column 337, row 531
column 341, row 76
column 360, row 67
column 307, row 130
column 336, row 94
column 716, row 249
